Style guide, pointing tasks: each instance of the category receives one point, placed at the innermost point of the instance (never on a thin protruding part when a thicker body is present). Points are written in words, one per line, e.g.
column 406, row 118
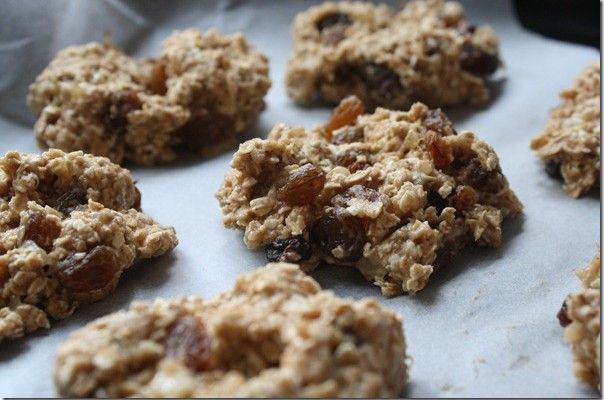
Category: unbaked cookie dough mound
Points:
column 580, row 315
column 570, row 142
column 201, row 93
column 427, row 51
column 275, row 334
column 69, row 227
column 392, row 193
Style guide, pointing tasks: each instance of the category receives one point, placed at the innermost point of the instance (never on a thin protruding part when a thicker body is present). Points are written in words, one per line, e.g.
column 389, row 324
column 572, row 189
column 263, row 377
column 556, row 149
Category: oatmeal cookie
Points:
column 570, row 142
column 392, row 193
column 275, row 334
column 200, row 93
column 580, row 315
column 69, row 227
column 427, row 52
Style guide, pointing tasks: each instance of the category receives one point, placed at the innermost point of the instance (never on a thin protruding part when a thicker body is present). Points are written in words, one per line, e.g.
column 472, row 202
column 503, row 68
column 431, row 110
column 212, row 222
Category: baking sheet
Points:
column 485, row 326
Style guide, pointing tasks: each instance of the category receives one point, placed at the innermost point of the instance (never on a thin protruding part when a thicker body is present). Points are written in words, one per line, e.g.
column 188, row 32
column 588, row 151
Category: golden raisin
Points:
column 188, row 340
column 92, row 272
column 154, row 76
column 302, row 186
column 465, row 198
column 439, row 150
column 41, row 230
column 344, row 114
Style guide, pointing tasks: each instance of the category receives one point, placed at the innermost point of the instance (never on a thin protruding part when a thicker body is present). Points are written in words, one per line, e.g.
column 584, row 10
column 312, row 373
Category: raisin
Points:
column 563, row 316
column 466, row 28
column 154, row 77
column 382, row 80
column 477, row 61
column 120, row 104
column 94, row 271
column 346, row 157
column 356, row 192
column 465, row 198
column 553, row 169
column 481, row 179
column 333, row 36
column 439, row 150
column 204, row 131
column 302, row 186
column 349, row 134
column 431, row 46
column 344, row 114
column 188, row 340
column 137, row 199
column 69, row 200
column 332, row 20
column 357, row 166
column 437, row 121
column 41, row 230
column 434, row 199
column 337, row 228
column 294, row 249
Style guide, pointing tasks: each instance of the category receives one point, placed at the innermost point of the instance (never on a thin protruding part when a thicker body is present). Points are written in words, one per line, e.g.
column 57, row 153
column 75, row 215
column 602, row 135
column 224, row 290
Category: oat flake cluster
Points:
column 69, row 227
column 200, row 93
column 570, row 142
column 392, row 193
column 275, row 334
column 427, row 51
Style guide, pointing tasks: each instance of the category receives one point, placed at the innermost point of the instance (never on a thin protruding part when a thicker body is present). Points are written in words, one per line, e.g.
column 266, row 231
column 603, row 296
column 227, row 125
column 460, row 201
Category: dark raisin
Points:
column 69, row 200
column 356, row 192
column 344, row 114
column 302, row 186
column 294, row 249
column 204, row 131
column 481, row 179
column 431, row 46
column 137, row 199
column 332, row 20
column 350, row 134
column 466, row 28
column 187, row 339
column 553, row 169
column 438, row 150
column 477, row 61
column 94, row 271
column 437, row 121
column 41, row 230
column 434, row 199
column 334, row 35
column 563, row 316
column 337, row 228
column 121, row 103
column 382, row 80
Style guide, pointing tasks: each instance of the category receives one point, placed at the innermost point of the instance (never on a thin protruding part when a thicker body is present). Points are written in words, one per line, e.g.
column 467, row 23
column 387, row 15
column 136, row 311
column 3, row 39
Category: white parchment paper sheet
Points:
column 485, row 326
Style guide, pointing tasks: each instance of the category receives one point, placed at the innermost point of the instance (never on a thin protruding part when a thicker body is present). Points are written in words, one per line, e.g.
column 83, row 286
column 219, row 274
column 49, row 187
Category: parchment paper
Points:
column 484, row 326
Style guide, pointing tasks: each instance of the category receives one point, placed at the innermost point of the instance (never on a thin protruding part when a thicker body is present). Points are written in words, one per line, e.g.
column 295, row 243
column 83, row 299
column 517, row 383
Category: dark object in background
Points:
column 571, row 20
